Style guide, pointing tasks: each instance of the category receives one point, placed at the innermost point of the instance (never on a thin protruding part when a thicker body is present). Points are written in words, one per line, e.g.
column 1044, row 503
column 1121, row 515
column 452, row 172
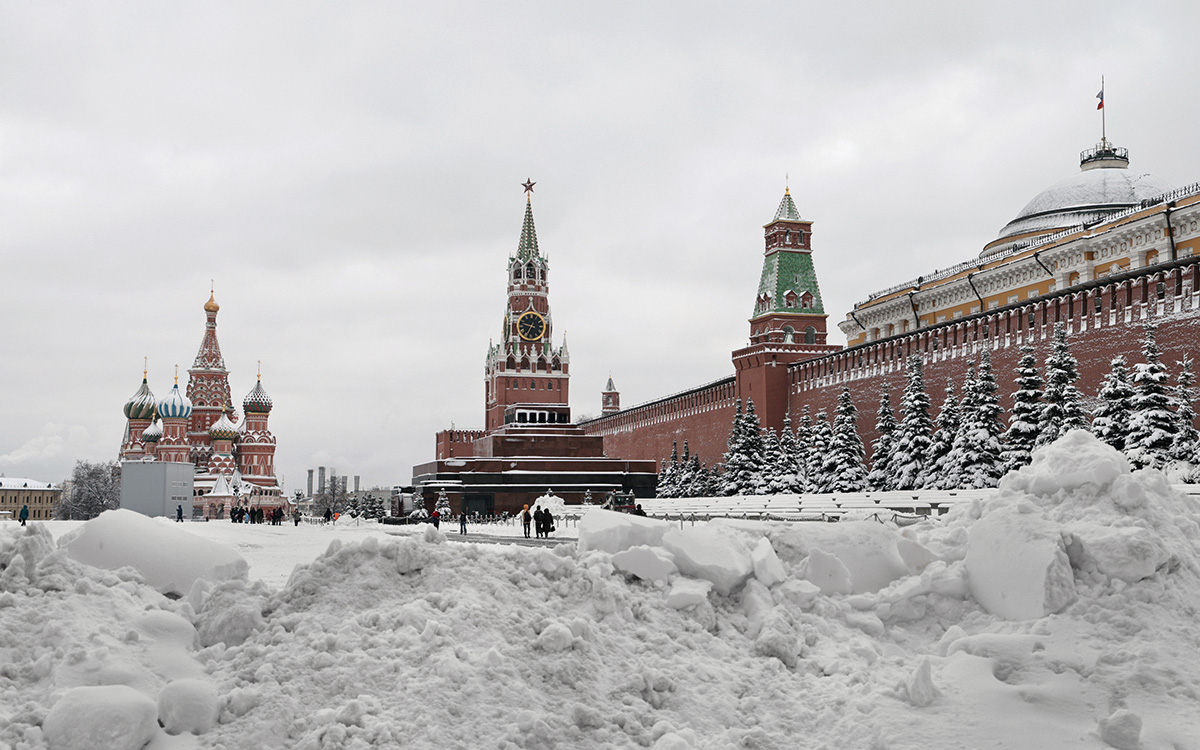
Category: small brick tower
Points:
column 610, row 398
column 525, row 367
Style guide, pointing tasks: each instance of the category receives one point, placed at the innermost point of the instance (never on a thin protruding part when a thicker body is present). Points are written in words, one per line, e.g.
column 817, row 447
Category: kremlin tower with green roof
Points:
column 789, row 322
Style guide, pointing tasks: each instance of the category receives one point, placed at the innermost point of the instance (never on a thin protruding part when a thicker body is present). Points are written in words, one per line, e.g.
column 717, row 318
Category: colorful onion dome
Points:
column 211, row 305
column 152, row 433
column 222, row 429
column 257, row 401
column 141, row 405
column 175, row 405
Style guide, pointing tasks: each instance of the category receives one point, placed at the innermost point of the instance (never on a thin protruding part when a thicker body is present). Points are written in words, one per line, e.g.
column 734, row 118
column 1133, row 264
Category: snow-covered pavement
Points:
column 1061, row 613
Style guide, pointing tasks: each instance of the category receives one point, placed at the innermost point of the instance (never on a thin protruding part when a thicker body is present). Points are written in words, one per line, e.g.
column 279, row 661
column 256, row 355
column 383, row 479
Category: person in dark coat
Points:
column 296, row 516
column 328, row 514
column 24, row 515
column 538, row 518
column 547, row 523
column 462, row 522
column 525, row 519
column 638, row 510
column 178, row 514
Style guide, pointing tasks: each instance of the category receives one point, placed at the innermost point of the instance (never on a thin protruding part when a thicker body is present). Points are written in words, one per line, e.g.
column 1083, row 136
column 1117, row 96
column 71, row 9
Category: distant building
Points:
column 42, row 498
column 202, row 429
column 529, row 444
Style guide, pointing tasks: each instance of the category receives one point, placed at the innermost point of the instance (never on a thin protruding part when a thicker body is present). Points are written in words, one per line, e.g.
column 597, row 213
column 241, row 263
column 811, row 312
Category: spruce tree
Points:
column 772, row 465
column 1062, row 403
column 819, row 443
column 844, row 469
column 1019, row 441
column 1110, row 420
column 755, row 447
column 683, row 475
column 743, row 459
column 1185, row 448
column 1152, row 424
column 943, row 440
column 980, row 465
column 698, row 479
column 789, row 450
column 880, row 477
column 913, row 434
column 804, row 437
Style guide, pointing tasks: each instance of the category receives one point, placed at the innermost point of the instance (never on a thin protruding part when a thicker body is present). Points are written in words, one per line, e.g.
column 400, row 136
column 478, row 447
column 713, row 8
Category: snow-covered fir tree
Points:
column 881, row 477
column 443, row 506
column 789, row 478
column 821, row 437
column 772, row 466
column 1062, row 403
column 913, row 433
column 978, row 441
column 1021, row 438
column 1185, row 448
column 1110, row 420
column 683, row 475
column 667, row 478
column 742, row 467
column 843, row 468
column 804, row 436
column 943, row 440
column 1152, row 424
column 354, row 506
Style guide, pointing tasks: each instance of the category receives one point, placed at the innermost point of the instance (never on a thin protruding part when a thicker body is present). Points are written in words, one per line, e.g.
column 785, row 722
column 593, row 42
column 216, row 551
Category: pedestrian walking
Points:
column 462, row 522
column 525, row 519
column 24, row 515
column 178, row 514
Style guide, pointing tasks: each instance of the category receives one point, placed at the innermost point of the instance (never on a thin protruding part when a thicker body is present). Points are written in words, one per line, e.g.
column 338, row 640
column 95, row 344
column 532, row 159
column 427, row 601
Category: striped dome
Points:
column 257, row 401
column 141, row 404
column 222, row 429
column 175, row 405
column 152, row 433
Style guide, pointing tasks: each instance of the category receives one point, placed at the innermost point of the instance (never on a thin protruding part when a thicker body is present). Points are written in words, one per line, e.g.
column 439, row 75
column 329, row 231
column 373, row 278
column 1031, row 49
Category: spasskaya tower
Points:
column 524, row 367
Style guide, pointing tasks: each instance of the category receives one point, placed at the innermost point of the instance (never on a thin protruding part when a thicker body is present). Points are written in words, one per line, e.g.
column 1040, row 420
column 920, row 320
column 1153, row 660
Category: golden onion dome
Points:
column 211, row 305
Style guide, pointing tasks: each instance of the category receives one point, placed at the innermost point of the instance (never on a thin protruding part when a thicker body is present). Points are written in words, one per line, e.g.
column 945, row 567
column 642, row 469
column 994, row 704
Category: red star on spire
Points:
column 528, row 185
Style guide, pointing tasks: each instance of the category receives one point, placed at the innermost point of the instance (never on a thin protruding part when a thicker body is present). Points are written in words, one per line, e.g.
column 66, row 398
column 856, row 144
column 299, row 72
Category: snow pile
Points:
column 169, row 558
column 1076, row 510
column 1059, row 613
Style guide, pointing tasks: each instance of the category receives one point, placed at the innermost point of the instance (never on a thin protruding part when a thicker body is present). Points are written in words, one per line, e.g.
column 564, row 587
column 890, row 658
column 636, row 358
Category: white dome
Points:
column 1103, row 186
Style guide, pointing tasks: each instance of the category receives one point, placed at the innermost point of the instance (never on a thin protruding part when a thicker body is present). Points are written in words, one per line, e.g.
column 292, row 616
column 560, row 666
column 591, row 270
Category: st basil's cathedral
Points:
column 233, row 458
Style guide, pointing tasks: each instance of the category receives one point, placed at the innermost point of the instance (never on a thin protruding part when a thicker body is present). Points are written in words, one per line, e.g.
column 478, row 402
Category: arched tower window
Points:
column 810, row 335
column 789, row 335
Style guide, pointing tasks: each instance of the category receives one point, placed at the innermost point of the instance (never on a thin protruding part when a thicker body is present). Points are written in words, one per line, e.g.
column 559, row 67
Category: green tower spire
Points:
column 527, row 247
column 787, row 208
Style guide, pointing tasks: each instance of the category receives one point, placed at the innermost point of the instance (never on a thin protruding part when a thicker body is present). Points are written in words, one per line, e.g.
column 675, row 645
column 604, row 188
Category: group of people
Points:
column 260, row 515
column 542, row 520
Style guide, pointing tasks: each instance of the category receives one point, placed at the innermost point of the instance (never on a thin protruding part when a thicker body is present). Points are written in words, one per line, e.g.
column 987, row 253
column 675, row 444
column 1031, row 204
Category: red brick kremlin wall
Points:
column 1170, row 294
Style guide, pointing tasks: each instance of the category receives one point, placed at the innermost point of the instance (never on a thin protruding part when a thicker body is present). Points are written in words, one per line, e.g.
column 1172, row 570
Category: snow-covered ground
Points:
column 1060, row 613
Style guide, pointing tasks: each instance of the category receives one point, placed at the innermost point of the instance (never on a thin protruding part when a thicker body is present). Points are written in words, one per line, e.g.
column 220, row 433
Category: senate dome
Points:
column 1104, row 186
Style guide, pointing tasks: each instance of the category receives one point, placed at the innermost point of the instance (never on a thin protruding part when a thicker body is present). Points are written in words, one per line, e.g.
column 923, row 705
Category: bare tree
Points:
column 95, row 488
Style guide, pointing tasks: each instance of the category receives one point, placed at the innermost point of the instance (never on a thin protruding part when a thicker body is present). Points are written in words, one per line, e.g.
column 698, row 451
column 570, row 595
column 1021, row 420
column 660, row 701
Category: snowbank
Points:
column 729, row 634
column 168, row 557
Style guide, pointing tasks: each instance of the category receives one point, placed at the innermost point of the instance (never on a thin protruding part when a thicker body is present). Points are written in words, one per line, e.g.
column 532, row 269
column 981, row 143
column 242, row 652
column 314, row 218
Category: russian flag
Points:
column 1100, row 96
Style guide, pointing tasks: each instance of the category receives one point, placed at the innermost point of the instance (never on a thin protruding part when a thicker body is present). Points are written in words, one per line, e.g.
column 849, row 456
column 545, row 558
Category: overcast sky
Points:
column 348, row 175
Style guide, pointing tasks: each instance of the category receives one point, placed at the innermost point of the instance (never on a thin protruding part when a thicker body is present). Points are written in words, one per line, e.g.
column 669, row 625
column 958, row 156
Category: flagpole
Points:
column 1103, row 113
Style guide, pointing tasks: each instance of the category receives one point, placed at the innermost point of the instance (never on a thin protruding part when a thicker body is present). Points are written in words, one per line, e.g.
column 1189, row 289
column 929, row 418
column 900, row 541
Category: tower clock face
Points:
column 531, row 325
